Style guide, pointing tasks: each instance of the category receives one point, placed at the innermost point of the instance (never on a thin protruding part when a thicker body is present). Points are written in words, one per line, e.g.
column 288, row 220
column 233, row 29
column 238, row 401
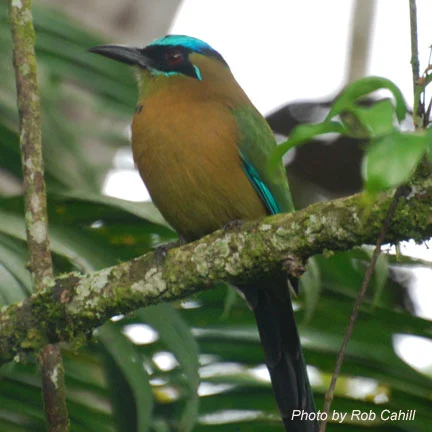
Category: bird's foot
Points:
column 294, row 268
column 233, row 225
column 162, row 250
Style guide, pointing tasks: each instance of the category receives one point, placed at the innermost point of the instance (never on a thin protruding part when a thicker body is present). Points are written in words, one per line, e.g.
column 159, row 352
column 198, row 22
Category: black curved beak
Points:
column 124, row 54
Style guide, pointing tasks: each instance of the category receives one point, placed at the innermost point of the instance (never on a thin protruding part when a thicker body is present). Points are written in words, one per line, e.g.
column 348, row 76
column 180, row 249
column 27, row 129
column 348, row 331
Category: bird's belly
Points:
column 198, row 185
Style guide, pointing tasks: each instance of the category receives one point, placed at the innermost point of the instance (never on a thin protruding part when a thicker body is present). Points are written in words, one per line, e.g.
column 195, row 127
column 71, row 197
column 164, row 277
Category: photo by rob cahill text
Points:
column 355, row 415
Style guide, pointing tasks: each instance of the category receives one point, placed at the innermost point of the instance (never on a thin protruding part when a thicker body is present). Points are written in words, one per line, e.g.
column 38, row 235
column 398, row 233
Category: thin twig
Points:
column 415, row 63
column 53, row 388
column 427, row 112
column 35, row 199
column 357, row 304
column 30, row 142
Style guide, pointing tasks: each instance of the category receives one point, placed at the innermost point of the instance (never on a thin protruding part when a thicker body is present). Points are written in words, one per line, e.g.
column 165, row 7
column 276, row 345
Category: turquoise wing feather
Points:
column 257, row 143
column 261, row 188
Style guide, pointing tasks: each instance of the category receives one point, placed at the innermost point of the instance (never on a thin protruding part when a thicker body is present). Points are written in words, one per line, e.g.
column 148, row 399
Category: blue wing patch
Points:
column 262, row 190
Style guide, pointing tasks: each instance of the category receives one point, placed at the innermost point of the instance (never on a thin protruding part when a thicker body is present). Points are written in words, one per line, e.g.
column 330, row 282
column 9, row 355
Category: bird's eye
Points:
column 174, row 57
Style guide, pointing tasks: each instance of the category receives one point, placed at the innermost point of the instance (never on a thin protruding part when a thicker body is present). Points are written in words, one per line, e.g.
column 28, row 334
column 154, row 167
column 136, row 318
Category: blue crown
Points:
column 189, row 42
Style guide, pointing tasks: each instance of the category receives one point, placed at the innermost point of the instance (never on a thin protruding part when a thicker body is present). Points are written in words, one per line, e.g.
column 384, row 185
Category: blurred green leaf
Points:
column 351, row 94
column 144, row 210
column 11, row 291
column 429, row 142
column 14, row 258
column 369, row 122
column 129, row 363
column 391, row 160
column 310, row 284
column 230, row 298
column 68, row 242
column 174, row 332
column 301, row 135
column 380, row 275
column 121, row 395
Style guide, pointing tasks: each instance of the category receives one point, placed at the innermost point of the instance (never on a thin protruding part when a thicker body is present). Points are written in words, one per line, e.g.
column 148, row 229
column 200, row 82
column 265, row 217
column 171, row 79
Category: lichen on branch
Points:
column 23, row 37
column 76, row 304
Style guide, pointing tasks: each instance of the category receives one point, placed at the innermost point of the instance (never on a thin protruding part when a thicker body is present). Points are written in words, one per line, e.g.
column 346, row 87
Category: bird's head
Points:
column 173, row 56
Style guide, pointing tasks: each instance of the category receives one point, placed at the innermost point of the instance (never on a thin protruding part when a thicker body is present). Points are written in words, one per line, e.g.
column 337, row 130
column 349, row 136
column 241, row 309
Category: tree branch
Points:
column 35, row 199
column 75, row 304
column 31, row 142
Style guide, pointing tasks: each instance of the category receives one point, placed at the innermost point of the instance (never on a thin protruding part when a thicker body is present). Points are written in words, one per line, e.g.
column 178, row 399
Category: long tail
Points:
column 271, row 304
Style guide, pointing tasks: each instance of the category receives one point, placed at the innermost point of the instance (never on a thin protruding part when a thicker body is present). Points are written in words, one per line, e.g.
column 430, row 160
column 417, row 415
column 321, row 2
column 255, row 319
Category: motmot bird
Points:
column 202, row 149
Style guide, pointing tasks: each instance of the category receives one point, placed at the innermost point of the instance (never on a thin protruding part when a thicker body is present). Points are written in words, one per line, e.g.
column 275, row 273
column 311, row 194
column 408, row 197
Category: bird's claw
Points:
column 162, row 250
column 233, row 225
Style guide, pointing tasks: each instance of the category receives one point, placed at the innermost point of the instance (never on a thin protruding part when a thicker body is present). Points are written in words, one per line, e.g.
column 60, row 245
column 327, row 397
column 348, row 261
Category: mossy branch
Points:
column 31, row 142
column 76, row 304
column 23, row 37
